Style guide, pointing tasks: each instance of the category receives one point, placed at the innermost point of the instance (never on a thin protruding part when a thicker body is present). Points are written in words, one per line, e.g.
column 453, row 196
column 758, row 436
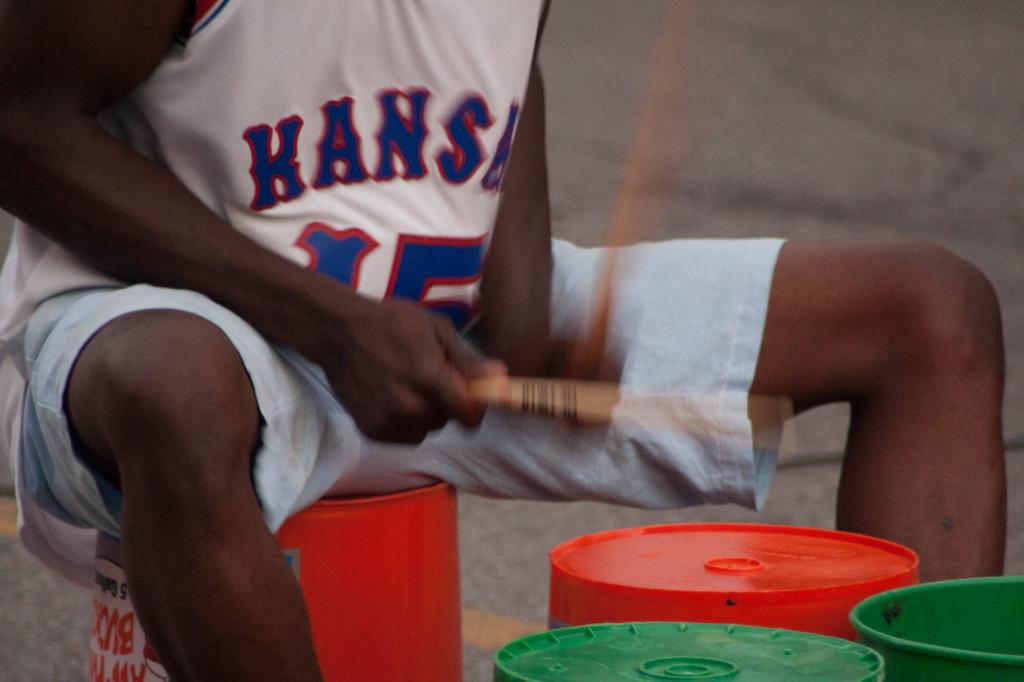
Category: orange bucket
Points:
column 752, row 574
column 380, row 576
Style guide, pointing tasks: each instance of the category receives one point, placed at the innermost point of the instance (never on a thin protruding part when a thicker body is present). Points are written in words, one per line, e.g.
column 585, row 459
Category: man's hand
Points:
column 401, row 371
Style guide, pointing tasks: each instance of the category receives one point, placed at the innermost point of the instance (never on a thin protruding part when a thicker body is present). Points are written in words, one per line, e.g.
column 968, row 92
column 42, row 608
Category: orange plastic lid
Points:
column 761, row 562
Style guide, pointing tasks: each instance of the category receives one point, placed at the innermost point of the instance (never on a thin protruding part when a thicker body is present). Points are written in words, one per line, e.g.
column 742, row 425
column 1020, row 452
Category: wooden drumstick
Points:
column 676, row 106
column 726, row 415
column 578, row 402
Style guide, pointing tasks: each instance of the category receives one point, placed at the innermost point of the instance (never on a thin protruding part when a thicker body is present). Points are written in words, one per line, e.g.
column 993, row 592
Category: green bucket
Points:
column 649, row 652
column 951, row 630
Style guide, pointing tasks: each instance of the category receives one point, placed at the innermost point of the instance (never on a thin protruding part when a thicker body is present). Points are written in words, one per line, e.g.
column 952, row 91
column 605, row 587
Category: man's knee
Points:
column 952, row 321
column 847, row 320
column 162, row 398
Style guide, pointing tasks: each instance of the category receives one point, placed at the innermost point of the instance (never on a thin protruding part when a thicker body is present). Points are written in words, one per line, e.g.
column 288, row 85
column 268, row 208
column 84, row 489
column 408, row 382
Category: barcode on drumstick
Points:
column 550, row 399
column 577, row 402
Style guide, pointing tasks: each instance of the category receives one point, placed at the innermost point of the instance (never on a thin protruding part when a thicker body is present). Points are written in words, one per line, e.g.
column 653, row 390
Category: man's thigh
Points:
column 132, row 331
column 845, row 317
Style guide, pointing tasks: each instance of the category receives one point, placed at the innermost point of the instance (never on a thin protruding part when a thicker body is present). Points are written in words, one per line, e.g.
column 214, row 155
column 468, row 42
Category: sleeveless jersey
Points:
column 361, row 138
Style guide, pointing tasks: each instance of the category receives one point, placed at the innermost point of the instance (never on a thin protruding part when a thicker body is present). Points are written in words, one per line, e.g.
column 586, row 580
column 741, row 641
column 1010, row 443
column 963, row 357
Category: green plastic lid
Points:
column 647, row 652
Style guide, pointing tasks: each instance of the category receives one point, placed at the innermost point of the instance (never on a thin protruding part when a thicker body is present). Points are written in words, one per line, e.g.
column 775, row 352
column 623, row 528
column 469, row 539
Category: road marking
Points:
column 490, row 631
column 8, row 517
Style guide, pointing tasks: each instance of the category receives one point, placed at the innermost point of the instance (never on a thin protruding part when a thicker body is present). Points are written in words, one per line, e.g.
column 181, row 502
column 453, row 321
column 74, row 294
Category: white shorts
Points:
column 688, row 322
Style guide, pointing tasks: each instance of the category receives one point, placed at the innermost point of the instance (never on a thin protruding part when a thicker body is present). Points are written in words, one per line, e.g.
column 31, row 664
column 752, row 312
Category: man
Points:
column 255, row 164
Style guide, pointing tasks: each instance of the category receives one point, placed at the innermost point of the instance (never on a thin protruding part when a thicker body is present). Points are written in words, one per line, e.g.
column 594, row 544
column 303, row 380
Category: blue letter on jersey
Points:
column 339, row 144
column 493, row 176
column 276, row 176
column 402, row 135
column 466, row 155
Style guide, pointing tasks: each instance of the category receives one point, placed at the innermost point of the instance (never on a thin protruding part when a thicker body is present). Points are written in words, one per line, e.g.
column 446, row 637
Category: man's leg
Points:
column 912, row 337
column 161, row 403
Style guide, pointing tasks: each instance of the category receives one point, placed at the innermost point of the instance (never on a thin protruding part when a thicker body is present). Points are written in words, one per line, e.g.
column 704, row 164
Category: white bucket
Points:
column 118, row 650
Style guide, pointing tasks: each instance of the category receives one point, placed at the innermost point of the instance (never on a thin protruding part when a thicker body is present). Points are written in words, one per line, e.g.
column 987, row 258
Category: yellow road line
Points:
column 8, row 516
column 490, row 631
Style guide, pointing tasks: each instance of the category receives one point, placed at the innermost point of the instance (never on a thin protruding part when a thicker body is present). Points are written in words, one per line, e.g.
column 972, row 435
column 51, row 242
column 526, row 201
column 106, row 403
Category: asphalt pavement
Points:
column 798, row 119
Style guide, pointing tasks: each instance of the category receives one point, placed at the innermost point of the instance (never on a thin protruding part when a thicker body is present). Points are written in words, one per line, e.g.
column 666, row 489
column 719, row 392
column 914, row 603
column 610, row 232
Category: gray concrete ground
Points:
column 801, row 119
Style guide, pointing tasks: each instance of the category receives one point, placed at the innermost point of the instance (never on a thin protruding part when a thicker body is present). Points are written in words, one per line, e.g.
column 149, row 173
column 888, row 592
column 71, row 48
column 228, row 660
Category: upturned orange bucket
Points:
column 795, row 578
column 380, row 577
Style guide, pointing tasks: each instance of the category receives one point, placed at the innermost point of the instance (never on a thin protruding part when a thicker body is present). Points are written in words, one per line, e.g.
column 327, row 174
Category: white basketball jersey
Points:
column 364, row 138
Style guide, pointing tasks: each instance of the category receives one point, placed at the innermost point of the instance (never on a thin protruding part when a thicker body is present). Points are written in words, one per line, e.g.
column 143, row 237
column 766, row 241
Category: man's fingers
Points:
column 405, row 416
column 470, row 362
column 456, row 397
column 464, row 363
column 413, row 378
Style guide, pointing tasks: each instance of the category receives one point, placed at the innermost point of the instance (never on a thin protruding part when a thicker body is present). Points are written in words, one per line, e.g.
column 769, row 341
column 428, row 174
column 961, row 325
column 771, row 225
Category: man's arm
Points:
column 516, row 285
column 399, row 370
column 514, row 324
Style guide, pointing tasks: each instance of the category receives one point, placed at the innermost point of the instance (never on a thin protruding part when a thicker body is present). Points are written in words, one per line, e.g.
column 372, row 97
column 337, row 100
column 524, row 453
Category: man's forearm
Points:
column 515, row 321
column 516, row 287
column 131, row 219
